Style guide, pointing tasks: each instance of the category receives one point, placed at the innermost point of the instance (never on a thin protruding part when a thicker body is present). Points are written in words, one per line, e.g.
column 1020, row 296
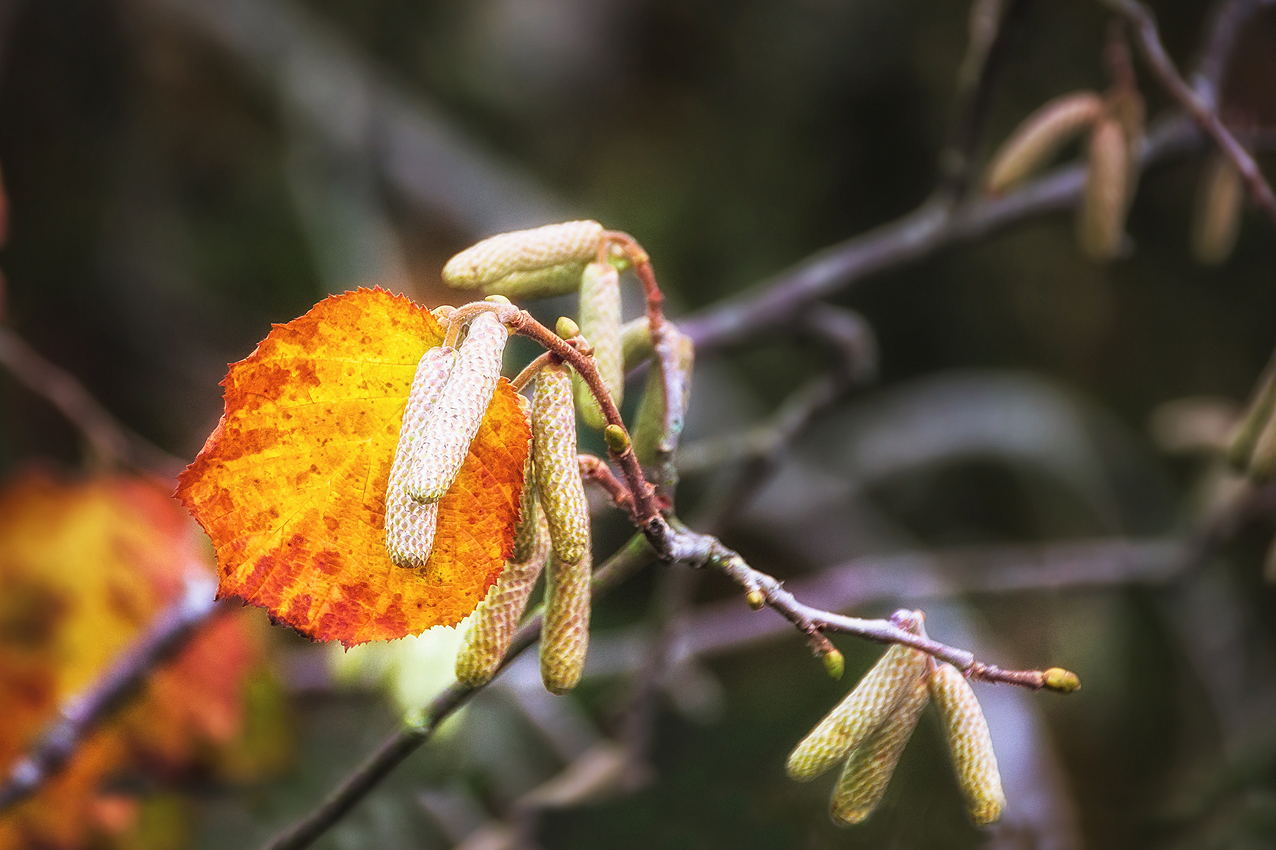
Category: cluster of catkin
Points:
column 870, row 727
column 553, row 533
column 1115, row 125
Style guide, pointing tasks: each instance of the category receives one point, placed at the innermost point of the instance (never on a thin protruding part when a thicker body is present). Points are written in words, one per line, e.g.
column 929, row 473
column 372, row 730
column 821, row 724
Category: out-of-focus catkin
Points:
column 494, row 621
column 459, row 411
column 527, row 263
column 1101, row 220
column 409, row 525
column 1217, row 219
column 558, row 482
column 868, row 770
column 859, row 714
column 601, row 326
column 1040, row 137
column 970, row 744
column 565, row 633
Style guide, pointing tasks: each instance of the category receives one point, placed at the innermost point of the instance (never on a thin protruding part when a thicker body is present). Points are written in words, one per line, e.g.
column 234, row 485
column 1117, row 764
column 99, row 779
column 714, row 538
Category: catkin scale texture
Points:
column 970, row 744
column 459, row 411
column 523, row 251
column 558, row 482
column 494, row 621
column 409, row 525
column 856, row 717
column 1040, row 137
column 1101, row 221
column 600, row 324
column 1218, row 211
column 565, row 633
column 864, row 776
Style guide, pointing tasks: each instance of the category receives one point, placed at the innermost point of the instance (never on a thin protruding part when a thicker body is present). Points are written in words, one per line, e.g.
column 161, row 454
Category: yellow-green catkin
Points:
column 527, row 263
column 865, row 708
column 1101, row 219
column 565, row 633
column 459, row 411
column 1040, row 137
column 495, row 620
column 635, row 341
column 1254, row 426
column 648, row 433
column 1217, row 219
column 558, row 482
column 601, row 326
column 409, row 525
column 970, row 744
column 869, row 768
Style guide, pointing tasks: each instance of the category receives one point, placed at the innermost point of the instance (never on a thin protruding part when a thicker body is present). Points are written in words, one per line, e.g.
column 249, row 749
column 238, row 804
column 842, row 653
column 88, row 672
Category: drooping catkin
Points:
column 856, row 717
column 970, row 744
column 565, row 633
column 537, row 261
column 495, row 620
column 635, row 341
column 1217, row 218
column 1040, row 137
column 869, row 768
column 1257, row 414
column 648, row 431
column 558, row 482
column 600, row 324
column 1101, row 220
column 409, row 525
column 457, row 415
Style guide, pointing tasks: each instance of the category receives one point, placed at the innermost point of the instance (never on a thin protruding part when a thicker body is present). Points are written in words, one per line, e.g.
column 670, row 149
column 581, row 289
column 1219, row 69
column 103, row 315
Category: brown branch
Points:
column 83, row 714
column 1149, row 41
column 109, row 440
column 635, row 554
column 594, row 471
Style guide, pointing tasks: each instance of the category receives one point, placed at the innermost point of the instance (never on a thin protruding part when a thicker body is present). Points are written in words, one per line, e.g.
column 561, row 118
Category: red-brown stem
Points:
column 595, row 471
column 645, row 513
column 531, row 370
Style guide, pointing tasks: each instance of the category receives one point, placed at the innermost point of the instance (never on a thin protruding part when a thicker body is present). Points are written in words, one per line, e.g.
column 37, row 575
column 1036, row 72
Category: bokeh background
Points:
column 182, row 173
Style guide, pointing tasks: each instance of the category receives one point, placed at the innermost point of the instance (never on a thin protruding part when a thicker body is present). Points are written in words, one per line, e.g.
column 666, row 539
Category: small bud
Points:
column 558, row 482
column 409, row 526
column 600, row 323
column 460, row 409
column 1101, row 218
column 864, row 709
column 497, row 299
column 868, row 770
column 565, row 634
column 1040, row 137
column 834, row 664
column 1217, row 218
column 617, row 439
column 527, row 260
column 1063, row 681
column 493, row 623
column 566, row 328
column 755, row 599
column 970, row 743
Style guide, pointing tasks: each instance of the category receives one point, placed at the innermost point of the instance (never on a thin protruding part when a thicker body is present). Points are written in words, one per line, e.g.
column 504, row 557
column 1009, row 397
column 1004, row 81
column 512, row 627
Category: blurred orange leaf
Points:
column 291, row 485
column 84, row 568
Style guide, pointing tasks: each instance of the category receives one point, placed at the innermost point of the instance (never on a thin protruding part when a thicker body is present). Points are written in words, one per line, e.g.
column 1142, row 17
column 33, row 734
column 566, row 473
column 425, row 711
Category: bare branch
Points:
column 83, row 714
column 1202, row 112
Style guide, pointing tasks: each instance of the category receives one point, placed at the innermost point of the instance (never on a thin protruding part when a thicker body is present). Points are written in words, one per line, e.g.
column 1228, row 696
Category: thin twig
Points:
column 1149, row 41
column 167, row 634
column 416, row 731
column 1227, row 21
column 594, row 471
column 109, row 440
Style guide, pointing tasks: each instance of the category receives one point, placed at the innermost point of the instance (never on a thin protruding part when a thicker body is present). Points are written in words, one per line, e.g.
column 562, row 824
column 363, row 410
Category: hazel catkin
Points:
column 869, row 768
column 970, row 744
column 527, row 263
column 558, row 482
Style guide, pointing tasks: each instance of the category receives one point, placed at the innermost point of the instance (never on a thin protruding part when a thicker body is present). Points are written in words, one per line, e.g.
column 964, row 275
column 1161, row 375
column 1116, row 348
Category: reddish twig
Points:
column 595, row 471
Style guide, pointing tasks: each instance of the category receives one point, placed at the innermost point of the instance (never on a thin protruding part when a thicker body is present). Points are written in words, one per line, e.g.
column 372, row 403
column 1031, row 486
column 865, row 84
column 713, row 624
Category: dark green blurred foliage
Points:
column 181, row 173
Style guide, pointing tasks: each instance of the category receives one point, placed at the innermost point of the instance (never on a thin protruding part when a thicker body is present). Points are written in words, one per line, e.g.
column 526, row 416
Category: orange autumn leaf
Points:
column 84, row 568
column 291, row 484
